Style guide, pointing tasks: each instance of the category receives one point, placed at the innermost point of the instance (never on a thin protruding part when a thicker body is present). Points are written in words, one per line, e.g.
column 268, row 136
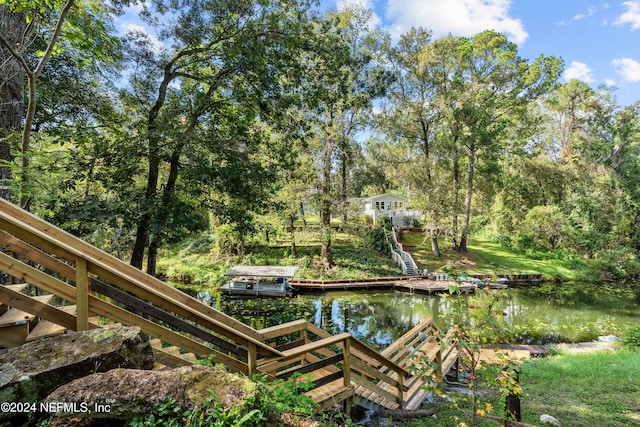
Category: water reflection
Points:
column 540, row 315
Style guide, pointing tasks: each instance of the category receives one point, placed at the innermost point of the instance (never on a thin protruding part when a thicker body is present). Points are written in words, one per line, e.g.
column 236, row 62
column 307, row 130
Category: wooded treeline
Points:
column 238, row 116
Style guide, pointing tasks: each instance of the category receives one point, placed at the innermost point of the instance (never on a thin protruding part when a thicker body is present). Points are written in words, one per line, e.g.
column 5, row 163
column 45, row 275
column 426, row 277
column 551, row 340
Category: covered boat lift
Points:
column 265, row 281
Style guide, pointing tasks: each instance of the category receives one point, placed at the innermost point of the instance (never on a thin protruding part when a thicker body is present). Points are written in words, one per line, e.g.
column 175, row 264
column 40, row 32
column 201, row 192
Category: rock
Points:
column 548, row 419
column 32, row 371
column 125, row 393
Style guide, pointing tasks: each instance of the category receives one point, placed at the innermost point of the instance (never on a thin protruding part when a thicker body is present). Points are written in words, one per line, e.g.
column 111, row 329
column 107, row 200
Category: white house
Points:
column 392, row 206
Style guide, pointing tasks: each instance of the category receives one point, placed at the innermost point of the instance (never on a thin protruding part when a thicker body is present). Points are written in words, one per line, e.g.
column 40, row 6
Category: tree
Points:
column 342, row 79
column 12, row 27
column 419, row 103
column 228, row 56
column 42, row 24
column 496, row 87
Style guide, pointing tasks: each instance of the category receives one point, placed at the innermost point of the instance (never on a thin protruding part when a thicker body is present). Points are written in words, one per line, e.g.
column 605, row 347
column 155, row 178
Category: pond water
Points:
column 538, row 315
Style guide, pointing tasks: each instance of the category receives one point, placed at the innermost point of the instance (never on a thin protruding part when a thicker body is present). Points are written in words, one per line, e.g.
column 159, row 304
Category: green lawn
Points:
column 483, row 257
column 596, row 389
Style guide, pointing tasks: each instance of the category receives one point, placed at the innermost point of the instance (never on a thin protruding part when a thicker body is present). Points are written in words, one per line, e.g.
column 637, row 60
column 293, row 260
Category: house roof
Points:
column 384, row 196
column 262, row 271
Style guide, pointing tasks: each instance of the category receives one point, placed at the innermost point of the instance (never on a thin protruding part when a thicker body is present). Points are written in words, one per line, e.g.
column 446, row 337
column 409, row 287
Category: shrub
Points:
column 631, row 338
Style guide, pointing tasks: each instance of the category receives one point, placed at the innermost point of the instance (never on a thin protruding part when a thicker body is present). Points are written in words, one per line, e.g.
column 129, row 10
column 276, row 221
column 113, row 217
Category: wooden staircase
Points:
column 96, row 288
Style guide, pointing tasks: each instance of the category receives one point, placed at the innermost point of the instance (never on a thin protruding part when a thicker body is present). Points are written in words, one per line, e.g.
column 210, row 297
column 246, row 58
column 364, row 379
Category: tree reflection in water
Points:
column 540, row 315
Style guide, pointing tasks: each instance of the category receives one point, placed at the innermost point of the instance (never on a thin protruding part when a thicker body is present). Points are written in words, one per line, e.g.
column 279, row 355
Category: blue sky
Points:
column 598, row 41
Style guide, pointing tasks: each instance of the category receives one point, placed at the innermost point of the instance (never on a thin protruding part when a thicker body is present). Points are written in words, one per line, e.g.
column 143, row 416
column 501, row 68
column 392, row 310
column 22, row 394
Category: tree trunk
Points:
column 434, row 243
column 431, row 209
column 343, row 191
column 148, row 204
column 294, row 250
column 302, row 216
column 456, row 203
column 12, row 26
column 325, row 208
column 464, row 238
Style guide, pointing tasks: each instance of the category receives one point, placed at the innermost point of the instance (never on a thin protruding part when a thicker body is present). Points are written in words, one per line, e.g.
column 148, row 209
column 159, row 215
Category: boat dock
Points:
column 409, row 284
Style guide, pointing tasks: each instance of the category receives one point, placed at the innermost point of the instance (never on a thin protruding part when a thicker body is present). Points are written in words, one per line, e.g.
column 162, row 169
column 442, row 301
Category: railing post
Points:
column 439, row 364
column 400, row 385
column 82, row 294
column 346, row 372
column 252, row 357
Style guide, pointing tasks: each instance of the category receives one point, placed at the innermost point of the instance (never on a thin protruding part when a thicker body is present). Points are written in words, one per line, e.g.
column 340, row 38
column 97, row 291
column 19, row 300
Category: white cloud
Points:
column 611, row 82
column 578, row 71
column 458, row 17
column 628, row 69
column 631, row 16
column 375, row 20
column 156, row 45
column 590, row 12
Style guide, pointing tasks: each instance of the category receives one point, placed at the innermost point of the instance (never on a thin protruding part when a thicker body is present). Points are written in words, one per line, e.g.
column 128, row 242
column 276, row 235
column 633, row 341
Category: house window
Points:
column 400, row 204
column 395, row 205
column 382, row 205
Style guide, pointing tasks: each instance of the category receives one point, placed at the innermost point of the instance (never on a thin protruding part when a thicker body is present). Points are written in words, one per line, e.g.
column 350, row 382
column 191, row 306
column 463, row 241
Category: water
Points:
column 538, row 315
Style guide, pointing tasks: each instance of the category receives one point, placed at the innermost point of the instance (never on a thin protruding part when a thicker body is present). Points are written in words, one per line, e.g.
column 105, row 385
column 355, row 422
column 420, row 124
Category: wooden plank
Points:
column 136, row 304
column 82, row 294
column 379, row 391
column 14, row 316
column 131, row 279
column 118, row 314
column 378, row 356
column 60, row 316
column 370, row 372
column 68, row 272
column 169, row 359
column 13, row 336
column 45, row 329
column 283, row 329
column 310, row 367
column 330, row 394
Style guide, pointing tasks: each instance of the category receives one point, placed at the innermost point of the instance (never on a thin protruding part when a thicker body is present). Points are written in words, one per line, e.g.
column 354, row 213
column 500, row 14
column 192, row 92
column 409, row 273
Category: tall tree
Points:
column 230, row 52
column 40, row 25
column 497, row 86
column 342, row 79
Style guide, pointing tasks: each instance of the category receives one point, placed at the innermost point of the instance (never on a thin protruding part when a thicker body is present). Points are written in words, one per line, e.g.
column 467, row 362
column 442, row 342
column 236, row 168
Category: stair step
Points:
column 156, row 343
column 45, row 299
column 19, row 287
column 173, row 350
column 45, row 329
column 13, row 316
column 171, row 360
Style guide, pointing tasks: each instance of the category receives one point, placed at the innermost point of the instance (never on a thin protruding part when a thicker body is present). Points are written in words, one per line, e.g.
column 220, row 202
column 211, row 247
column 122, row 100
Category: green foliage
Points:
column 475, row 327
column 377, row 239
column 271, row 401
column 631, row 338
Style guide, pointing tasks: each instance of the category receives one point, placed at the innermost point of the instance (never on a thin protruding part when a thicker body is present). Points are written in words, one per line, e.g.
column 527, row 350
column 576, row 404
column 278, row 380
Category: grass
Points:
column 484, row 257
column 192, row 262
column 579, row 389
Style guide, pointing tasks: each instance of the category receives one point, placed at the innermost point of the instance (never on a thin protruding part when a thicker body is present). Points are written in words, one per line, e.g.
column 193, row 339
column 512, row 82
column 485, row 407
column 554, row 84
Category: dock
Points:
column 407, row 284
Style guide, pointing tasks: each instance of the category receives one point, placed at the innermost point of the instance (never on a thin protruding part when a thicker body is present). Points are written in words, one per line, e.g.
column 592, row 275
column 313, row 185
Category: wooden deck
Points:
column 408, row 284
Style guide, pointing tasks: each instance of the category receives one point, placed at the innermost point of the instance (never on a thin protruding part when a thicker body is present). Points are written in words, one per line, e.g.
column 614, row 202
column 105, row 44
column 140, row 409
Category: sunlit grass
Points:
column 580, row 390
column 484, row 257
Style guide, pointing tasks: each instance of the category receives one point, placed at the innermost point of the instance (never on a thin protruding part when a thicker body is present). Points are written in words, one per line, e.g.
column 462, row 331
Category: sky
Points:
column 598, row 41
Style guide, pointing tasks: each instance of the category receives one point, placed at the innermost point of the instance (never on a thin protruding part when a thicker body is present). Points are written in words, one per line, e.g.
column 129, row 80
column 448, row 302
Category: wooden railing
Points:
column 329, row 358
column 78, row 272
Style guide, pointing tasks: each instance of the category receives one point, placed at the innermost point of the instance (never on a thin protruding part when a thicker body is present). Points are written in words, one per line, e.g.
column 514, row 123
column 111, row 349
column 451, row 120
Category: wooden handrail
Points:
column 38, row 232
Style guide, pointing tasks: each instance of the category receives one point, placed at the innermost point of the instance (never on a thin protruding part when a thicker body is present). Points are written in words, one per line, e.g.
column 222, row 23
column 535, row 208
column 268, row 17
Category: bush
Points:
column 376, row 239
column 631, row 338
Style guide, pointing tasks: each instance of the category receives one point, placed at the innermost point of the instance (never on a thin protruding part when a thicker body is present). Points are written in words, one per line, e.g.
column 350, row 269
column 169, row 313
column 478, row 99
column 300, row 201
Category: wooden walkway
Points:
column 69, row 285
column 409, row 284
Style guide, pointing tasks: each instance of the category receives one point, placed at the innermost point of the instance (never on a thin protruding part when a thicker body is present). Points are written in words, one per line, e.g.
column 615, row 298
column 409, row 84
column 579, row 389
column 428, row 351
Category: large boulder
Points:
column 126, row 393
column 29, row 373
